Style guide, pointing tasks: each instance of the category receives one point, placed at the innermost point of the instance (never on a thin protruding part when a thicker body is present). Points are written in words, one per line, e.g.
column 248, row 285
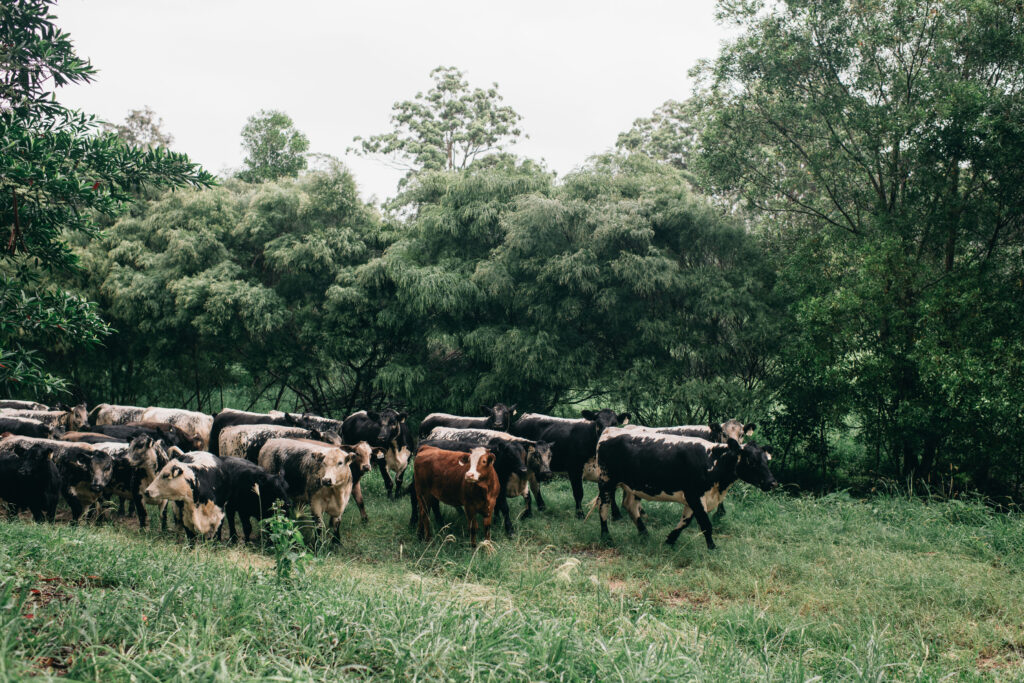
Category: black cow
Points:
column 158, row 431
column 509, row 460
column 85, row 474
column 29, row 479
column 498, row 418
column 136, row 469
column 232, row 418
column 24, row 426
column 386, row 430
column 252, row 492
column 674, row 468
column 573, row 442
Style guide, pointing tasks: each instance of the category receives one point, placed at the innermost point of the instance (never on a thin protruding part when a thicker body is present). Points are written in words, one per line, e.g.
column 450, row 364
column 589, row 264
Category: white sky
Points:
column 578, row 72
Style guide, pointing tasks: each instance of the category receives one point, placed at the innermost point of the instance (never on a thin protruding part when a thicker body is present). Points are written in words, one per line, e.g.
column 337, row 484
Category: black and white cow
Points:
column 509, row 460
column 538, row 460
column 134, row 471
column 573, row 442
column 84, row 470
column 683, row 469
column 197, row 481
column 68, row 420
column 110, row 414
column 388, row 431
column 30, row 479
column 24, row 426
column 230, row 417
column 252, row 492
column 189, row 421
column 498, row 417
column 245, row 440
column 22, row 405
column 160, row 431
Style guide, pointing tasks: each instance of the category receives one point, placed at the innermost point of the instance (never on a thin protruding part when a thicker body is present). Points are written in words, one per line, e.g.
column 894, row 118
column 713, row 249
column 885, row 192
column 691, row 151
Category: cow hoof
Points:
column 526, row 514
column 364, row 520
column 541, row 507
column 580, row 514
column 616, row 515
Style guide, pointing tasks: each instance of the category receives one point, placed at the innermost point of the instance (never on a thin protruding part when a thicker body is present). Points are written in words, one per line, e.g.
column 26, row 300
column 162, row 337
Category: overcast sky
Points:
column 578, row 72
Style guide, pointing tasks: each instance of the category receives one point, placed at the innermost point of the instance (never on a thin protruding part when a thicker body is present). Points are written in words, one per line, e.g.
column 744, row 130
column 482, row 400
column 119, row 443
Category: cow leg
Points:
column 414, row 518
column 695, row 503
column 388, row 486
column 488, row 516
column 336, row 529
column 246, row 528
column 632, row 506
column 605, row 490
column 76, row 507
column 229, row 511
column 37, row 512
column 502, row 507
column 720, row 512
column 684, row 522
column 357, row 495
column 424, row 517
column 535, row 489
column 140, row 510
column 527, row 512
column 471, row 519
column 616, row 514
column 576, row 481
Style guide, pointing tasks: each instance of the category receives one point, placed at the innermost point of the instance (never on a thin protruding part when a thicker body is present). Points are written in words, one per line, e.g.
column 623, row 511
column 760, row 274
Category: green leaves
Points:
column 274, row 147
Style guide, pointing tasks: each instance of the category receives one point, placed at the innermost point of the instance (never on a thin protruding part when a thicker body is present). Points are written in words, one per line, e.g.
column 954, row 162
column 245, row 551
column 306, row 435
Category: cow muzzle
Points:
column 545, row 476
column 95, row 488
column 327, row 481
column 472, row 476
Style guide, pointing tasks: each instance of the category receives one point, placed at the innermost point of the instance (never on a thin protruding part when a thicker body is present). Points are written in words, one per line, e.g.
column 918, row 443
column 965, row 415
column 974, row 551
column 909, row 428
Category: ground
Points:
column 889, row 587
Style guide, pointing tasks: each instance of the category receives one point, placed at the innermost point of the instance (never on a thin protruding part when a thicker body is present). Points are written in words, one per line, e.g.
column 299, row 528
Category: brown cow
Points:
column 460, row 479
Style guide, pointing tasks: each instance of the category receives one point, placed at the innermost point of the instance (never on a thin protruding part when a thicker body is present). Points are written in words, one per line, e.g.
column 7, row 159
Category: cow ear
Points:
column 749, row 428
column 716, row 431
column 512, row 409
column 402, row 416
column 175, row 472
column 175, row 452
column 624, row 418
column 315, row 435
column 588, row 414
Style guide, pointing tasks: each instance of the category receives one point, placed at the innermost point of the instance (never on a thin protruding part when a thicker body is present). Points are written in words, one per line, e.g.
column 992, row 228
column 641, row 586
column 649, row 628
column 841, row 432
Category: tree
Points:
column 57, row 173
column 447, row 128
column 880, row 141
column 141, row 128
column 274, row 147
column 669, row 134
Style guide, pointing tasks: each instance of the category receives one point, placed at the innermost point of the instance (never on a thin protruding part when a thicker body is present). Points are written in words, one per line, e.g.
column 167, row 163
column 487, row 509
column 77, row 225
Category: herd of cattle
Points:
column 238, row 464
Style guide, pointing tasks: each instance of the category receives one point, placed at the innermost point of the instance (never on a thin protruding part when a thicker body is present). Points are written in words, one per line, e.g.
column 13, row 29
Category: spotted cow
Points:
column 387, row 431
column 497, row 417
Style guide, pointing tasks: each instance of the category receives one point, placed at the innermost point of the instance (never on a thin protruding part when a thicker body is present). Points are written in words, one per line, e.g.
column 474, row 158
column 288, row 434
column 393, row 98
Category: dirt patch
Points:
column 52, row 589
column 56, row 665
column 1011, row 656
column 677, row 598
column 617, row 585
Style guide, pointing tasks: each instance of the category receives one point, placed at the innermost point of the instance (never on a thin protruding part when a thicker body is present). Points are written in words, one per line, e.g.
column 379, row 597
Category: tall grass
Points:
column 884, row 588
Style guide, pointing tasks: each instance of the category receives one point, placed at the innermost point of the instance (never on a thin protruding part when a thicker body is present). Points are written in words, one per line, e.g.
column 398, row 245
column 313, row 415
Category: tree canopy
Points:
column 274, row 147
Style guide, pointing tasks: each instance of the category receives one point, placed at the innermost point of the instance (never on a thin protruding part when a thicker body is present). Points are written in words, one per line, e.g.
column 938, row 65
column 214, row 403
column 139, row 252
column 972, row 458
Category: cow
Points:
column 499, row 418
column 65, row 420
column 252, row 492
column 22, row 405
column 230, row 417
column 90, row 438
column 163, row 431
column 30, row 479
column 715, row 432
column 315, row 473
column 573, row 442
column 456, row 478
column 537, row 458
column 363, row 455
column 245, row 440
column 109, row 414
column 189, row 421
column 197, row 481
column 667, row 467
column 385, row 430
column 24, row 426
column 509, row 460
column 134, row 470
column 84, row 470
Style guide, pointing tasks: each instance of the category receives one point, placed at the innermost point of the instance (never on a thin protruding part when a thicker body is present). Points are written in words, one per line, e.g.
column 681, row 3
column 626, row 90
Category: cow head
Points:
column 96, row 467
column 146, row 454
column 329, row 436
column 479, row 461
column 332, row 467
column 500, row 416
column 717, row 435
column 605, row 418
column 734, row 429
column 753, row 465
column 78, row 417
column 510, row 455
column 362, row 457
column 540, row 461
column 175, row 481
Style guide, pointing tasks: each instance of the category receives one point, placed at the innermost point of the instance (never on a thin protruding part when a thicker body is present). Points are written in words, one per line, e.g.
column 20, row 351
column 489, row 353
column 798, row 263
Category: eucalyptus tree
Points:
column 58, row 175
column 881, row 143
column 447, row 128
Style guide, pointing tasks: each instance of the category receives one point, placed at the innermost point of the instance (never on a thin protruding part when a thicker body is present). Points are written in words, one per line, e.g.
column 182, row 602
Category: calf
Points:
column 385, row 430
column 22, row 405
column 362, row 456
column 252, row 492
column 537, row 456
column 199, row 483
column 683, row 469
column 499, row 418
column 24, row 426
column 315, row 473
column 189, row 421
column 66, row 420
column 109, row 414
column 245, row 441
column 456, row 478
column 509, row 461
column 29, row 479
column 233, row 418
column 135, row 470
column 573, row 442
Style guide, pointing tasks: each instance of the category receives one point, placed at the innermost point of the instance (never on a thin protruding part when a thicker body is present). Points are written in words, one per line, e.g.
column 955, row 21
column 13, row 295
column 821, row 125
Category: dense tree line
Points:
column 826, row 239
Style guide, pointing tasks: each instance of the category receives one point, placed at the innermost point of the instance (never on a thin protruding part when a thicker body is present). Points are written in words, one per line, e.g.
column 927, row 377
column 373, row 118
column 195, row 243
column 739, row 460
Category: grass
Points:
column 884, row 588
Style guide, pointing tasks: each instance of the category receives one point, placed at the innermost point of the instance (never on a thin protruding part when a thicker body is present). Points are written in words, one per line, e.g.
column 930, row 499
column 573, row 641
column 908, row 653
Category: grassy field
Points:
column 884, row 588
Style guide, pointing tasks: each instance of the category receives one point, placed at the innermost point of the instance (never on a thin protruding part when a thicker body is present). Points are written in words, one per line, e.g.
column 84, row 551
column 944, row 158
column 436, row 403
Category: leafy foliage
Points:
column 669, row 134
column 447, row 128
column 57, row 174
column 142, row 128
column 274, row 147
